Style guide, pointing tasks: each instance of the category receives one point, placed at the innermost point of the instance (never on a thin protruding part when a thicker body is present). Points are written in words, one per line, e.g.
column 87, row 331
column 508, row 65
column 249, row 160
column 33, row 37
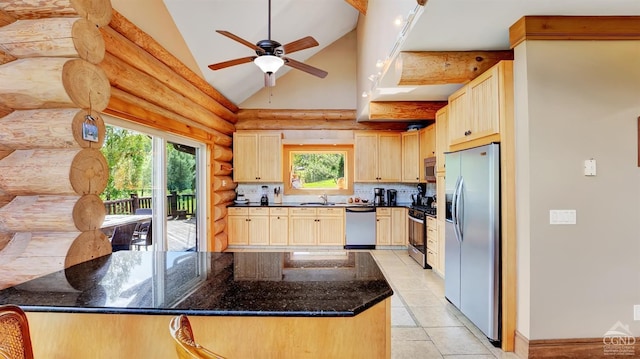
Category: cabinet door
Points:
column 302, row 230
column 238, row 230
column 410, row 157
column 279, row 230
column 390, row 157
column 442, row 137
column 399, row 227
column 245, row 162
column 484, row 105
column 331, row 231
column 458, row 116
column 366, row 157
column 259, row 230
column 383, row 230
column 269, row 156
column 441, row 244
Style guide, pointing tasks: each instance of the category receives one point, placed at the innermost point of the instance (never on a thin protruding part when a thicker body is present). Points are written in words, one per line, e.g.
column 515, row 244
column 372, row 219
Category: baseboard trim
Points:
column 574, row 348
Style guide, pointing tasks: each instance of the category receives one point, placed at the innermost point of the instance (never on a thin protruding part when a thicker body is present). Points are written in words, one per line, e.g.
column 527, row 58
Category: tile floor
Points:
column 423, row 323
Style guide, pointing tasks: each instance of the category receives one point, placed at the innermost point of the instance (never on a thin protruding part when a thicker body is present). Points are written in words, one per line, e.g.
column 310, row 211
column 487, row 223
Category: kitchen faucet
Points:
column 324, row 198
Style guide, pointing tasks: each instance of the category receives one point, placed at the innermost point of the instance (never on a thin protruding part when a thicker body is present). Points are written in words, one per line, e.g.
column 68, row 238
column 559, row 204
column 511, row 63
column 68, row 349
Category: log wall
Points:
column 50, row 177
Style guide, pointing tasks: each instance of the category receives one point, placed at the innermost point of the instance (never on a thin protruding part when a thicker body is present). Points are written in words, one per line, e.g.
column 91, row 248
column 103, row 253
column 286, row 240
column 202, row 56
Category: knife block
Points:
column 277, row 198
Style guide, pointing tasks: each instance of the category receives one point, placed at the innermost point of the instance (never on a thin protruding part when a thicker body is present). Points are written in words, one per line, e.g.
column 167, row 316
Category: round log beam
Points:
column 223, row 183
column 222, row 197
column 55, row 37
column 221, row 168
column 48, row 128
column 220, row 242
column 222, row 153
column 97, row 11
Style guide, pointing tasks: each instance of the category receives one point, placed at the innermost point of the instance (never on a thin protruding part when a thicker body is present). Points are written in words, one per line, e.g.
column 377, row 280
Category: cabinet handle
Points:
column 278, row 217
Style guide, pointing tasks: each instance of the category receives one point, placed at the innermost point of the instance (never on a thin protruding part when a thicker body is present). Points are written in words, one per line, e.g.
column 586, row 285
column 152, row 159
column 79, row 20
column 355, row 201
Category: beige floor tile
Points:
column 456, row 340
column 419, row 349
column 401, row 317
column 403, row 334
column 420, row 298
column 434, row 316
column 469, row 356
column 396, row 301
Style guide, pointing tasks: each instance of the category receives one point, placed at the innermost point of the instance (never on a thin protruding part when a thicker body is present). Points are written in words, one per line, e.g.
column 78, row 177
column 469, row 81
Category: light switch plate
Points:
column 590, row 167
column 636, row 312
column 562, row 216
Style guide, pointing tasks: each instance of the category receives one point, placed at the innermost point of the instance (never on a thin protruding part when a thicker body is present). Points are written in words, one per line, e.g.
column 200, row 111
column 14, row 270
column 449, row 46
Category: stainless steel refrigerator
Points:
column 472, row 236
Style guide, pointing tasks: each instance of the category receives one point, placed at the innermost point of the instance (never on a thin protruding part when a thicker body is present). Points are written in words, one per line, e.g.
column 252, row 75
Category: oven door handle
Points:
column 416, row 220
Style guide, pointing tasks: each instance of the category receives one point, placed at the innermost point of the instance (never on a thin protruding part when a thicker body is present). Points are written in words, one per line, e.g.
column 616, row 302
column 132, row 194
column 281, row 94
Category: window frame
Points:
column 287, row 151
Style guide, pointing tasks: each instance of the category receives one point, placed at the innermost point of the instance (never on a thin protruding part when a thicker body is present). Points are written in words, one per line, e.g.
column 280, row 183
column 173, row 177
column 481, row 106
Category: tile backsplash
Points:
column 253, row 192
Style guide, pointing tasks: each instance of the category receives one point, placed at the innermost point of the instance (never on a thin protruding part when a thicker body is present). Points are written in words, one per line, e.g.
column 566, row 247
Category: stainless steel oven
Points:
column 417, row 245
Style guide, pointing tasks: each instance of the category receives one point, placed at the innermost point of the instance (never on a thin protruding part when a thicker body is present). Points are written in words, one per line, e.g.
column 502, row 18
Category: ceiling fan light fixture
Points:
column 269, row 63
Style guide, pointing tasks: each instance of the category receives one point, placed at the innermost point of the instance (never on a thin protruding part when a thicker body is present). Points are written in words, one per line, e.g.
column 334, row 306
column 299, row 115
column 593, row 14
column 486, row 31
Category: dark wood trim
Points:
column 360, row 5
column 574, row 28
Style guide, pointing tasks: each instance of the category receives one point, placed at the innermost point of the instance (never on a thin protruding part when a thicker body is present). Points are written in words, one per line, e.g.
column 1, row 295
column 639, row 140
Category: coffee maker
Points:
column 378, row 196
column 392, row 196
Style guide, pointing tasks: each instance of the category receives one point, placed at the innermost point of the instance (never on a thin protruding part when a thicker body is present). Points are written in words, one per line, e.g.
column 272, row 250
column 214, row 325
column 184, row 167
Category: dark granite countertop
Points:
column 331, row 284
column 335, row 205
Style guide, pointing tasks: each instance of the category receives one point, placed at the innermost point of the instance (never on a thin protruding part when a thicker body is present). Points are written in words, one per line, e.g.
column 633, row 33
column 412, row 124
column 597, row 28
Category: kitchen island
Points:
column 241, row 305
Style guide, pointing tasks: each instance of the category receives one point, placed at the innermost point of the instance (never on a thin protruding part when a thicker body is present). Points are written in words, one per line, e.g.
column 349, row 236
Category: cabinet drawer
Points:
column 330, row 211
column 383, row 211
column 431, row 223
column 238, row 211
column 432, row 258
column 259, row 211
column 432, row 244
column 278, row 211
column 302, row 211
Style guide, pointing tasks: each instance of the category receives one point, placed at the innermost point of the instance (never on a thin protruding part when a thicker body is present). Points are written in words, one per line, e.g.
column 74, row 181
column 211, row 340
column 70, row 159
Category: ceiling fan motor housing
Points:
column 269, row 47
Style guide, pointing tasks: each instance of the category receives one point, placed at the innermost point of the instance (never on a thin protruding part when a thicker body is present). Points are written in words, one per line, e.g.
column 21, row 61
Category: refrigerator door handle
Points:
column 458, row 221
column 454, row 209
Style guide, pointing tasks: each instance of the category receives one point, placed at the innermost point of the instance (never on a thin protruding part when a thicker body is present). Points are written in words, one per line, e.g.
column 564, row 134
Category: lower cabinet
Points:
column 279, row 226
column 432, row 243
column 316, row 226
column 441, row 246
column 248, row 226
column 391, row 226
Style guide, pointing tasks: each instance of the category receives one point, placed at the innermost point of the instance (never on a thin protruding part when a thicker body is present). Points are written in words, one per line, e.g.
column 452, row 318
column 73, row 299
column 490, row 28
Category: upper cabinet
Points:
column 474, row 110
column 257, row 156
column 411, row 156
column 378, row 156
column 427, row 146
column 442, row 137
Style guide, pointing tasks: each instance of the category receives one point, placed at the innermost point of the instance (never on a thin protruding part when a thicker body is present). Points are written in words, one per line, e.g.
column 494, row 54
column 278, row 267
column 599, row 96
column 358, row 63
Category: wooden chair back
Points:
column 186, row 347
column 15, row 340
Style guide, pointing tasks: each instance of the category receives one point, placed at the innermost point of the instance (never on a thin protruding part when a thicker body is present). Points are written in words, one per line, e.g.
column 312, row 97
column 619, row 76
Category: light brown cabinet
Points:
column 257, row 156
column 248, row 226
column 391, row 226
column 474, row 110
column 411, row 157
column 442, row 138
column 432, row 243
column 427, row 146
column 378, row 156
column 279, row 226
column 316, row 226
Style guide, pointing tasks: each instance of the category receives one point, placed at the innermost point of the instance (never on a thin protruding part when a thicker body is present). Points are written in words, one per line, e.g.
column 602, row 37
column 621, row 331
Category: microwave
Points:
column 430, row 169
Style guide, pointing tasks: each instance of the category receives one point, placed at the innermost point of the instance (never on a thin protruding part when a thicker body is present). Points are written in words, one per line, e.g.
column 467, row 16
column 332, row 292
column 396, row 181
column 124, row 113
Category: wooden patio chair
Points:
column 15, row 340
column 186, row 347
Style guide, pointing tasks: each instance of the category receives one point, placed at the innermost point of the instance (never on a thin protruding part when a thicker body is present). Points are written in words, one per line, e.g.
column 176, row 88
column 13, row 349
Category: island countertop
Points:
column 289, row 284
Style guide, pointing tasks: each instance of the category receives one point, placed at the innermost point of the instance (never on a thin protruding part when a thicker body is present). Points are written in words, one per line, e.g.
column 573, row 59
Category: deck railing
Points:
column 178, row 205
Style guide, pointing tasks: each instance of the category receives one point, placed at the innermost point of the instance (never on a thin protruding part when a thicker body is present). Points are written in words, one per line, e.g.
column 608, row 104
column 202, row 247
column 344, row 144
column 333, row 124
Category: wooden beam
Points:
column 574, row 28
column 148, row 44
column 404, row 110
column 5, row 58
column 284, row 114
column 96, row 11
column 6, row 19
column 360, row 5
column 446, row 67
column 307, row 125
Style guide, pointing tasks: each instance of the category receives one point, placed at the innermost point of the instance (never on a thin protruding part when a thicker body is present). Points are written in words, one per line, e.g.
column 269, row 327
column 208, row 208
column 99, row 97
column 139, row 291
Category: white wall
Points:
column 577, row 100
column 299, row 90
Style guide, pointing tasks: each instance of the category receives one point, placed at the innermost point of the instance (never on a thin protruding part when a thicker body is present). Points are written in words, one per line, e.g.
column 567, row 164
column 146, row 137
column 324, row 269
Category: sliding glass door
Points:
column 155, row 187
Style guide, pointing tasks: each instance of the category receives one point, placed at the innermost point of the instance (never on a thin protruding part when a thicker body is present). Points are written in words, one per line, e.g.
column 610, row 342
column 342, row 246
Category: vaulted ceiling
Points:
column 439, row 25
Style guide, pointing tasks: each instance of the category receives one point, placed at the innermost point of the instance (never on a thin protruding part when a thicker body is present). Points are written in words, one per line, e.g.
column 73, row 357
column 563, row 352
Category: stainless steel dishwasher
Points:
column 361, row 227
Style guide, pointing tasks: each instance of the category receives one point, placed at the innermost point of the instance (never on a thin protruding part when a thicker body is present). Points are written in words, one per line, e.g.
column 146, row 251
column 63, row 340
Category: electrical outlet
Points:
column 562, row 216
column 636, row 312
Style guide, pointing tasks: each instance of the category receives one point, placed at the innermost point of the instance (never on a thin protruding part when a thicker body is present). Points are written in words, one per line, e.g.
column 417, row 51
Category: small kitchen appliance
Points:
column 378, row 196
column 392, row 196
column 264, row 200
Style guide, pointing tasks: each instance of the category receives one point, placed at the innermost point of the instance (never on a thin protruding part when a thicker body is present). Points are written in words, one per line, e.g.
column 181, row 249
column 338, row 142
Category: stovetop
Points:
column 428, row 210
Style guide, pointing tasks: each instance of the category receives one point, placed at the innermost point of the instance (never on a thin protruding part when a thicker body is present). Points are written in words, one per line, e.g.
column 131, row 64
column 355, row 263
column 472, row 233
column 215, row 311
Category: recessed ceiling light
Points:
column 399, row 20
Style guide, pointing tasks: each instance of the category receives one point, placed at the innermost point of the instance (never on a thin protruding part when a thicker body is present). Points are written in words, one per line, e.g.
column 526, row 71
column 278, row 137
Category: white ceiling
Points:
column 440, row 26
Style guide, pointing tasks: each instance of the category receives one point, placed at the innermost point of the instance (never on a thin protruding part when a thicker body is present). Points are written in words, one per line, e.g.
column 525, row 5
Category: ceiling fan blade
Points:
column 224, row 64
column 304, row 67
column 300, row 44
column 240, row 40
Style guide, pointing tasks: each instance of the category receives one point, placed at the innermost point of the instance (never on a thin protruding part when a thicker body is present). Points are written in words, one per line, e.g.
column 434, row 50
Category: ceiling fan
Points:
column 270, row 55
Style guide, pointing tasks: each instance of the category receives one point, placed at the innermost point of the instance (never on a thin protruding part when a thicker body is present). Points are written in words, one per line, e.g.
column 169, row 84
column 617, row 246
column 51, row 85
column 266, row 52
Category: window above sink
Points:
column 318, row 169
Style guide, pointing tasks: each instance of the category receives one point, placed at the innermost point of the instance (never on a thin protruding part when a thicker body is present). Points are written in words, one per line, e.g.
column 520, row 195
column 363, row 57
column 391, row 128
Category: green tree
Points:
column 128, row 155
column 181, row 166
